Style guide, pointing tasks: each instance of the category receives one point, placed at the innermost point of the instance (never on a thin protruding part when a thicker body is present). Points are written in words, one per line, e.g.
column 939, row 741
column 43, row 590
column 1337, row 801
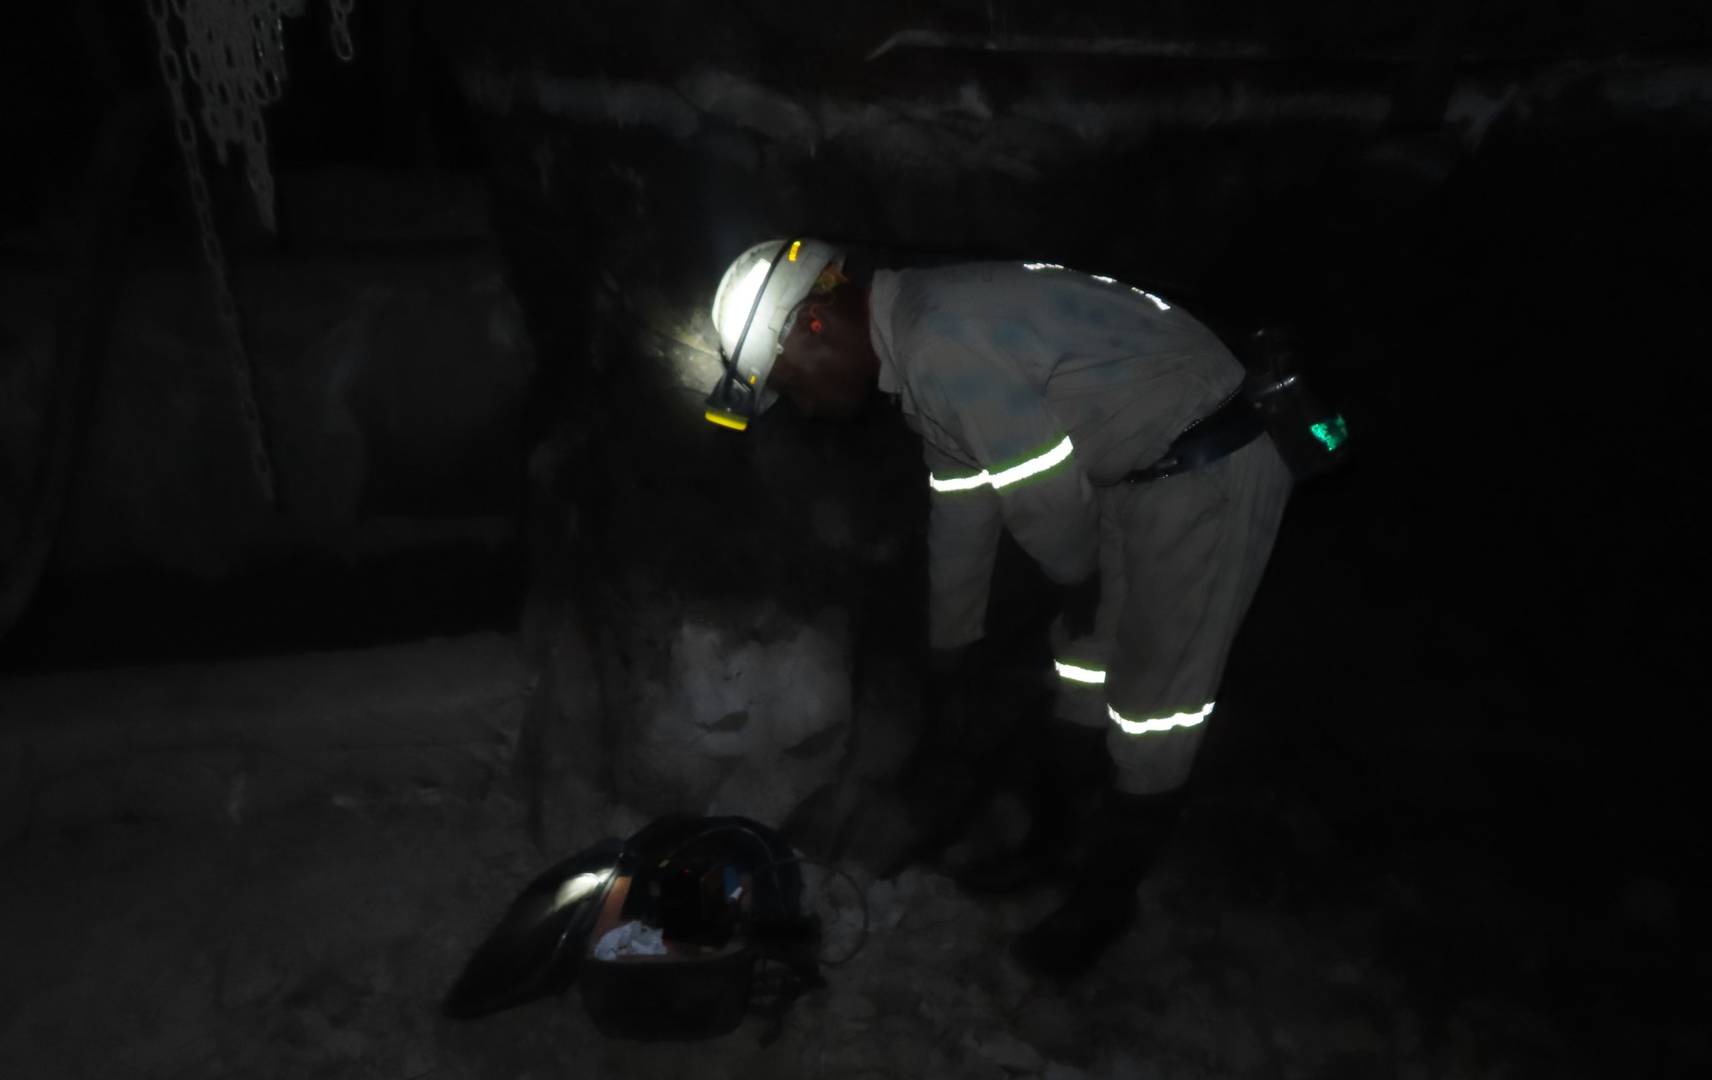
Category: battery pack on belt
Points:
column 1224, row 431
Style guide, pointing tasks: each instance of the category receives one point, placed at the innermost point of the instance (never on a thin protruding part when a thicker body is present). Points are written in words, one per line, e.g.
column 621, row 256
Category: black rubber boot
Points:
column 939, row 803
column 1072, row 764
column 1127, row 836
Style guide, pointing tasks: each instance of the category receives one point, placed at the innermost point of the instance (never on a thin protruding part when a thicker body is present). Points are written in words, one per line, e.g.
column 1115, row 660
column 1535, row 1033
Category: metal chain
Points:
column 225, row 304
column 234, row 53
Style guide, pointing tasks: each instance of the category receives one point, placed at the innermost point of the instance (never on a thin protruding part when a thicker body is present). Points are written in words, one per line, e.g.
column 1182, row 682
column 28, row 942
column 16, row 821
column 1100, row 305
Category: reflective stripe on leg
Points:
column 1159, row 723
column 1079, row 673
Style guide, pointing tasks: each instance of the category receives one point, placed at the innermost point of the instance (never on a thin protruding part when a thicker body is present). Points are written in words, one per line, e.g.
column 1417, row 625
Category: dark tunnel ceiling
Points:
column 78, row 55
column 791, row 41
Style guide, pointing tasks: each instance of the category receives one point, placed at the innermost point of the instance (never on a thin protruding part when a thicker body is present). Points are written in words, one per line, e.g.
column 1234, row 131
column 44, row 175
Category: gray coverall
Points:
column 1036, row 390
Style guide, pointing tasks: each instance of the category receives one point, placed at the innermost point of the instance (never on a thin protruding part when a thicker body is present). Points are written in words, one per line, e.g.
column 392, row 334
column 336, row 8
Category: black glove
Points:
column 1078, row 604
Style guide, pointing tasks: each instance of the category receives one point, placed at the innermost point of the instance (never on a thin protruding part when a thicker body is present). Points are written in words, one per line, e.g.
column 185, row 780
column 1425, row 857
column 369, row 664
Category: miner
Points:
column 1108, row 432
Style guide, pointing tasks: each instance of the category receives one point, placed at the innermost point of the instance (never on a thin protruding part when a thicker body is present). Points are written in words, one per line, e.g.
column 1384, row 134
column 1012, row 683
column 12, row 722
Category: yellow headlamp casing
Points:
column 732, row 403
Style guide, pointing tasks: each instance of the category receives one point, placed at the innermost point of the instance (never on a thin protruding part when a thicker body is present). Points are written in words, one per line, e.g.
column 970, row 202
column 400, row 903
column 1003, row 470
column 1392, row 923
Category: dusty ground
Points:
column 312, row 932
column 317, row 943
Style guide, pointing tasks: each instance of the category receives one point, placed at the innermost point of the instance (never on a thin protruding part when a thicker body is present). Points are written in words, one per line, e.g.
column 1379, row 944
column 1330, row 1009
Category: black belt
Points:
column 1224, row 431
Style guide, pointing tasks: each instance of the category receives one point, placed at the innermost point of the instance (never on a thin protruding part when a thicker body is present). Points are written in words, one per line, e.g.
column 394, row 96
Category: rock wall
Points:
column 1253, row 192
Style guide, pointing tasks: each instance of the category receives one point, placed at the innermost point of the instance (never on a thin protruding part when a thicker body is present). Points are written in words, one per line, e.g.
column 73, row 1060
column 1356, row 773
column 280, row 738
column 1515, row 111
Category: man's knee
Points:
column 1154, row 750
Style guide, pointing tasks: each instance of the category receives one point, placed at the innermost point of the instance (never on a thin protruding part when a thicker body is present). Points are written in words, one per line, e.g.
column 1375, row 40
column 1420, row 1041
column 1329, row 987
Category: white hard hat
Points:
column 756, row 296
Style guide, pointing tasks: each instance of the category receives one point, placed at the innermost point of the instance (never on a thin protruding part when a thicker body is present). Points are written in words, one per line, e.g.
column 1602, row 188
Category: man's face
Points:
column 827, row 367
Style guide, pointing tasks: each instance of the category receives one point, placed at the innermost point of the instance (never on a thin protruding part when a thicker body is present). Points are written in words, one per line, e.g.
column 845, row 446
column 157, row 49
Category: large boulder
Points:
column 752, row 716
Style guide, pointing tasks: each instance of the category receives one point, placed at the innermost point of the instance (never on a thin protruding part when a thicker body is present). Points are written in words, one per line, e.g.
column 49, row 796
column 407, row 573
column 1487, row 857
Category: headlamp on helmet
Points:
column 753, row 310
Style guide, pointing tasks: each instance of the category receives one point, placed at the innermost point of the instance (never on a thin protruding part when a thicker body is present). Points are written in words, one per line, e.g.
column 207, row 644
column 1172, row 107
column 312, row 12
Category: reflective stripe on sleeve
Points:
column 1005, row 477
column 1160, row 723
column 958, row 483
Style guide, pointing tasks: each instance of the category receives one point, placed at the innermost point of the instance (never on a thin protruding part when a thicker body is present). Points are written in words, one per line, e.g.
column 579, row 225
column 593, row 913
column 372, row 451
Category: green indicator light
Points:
column 1332, row 433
